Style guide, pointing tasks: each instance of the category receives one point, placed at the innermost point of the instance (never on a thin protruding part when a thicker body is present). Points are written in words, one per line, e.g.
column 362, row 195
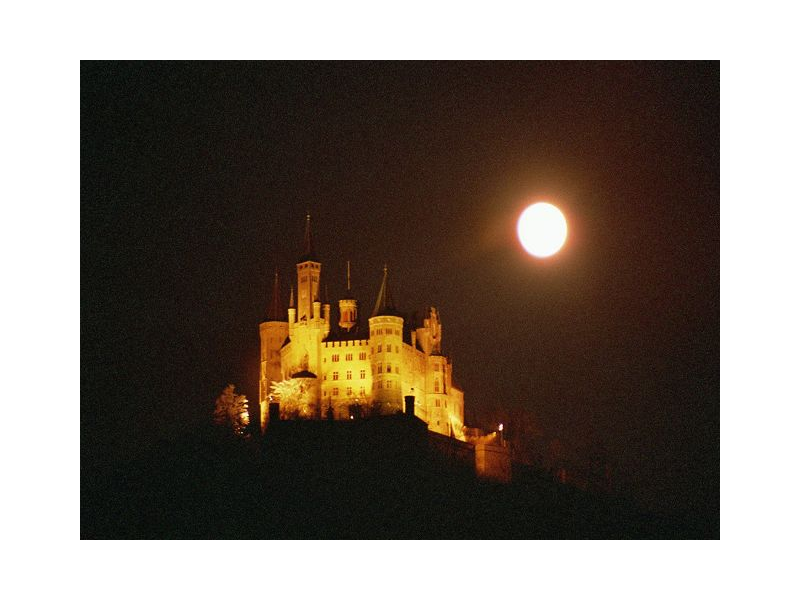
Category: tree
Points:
column 293, row 399
column 231, row 411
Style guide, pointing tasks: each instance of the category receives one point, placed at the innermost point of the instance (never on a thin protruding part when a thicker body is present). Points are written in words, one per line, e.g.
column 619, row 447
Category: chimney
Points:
column 274, row 411
column 409, row 406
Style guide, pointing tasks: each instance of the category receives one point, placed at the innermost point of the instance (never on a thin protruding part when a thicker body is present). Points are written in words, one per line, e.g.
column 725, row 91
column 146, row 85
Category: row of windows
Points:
column 348, row 392
column 388, row 368
column 388, row 348
column 382, row 384
column 348, row 375
column 388, row 331
column 335, row 357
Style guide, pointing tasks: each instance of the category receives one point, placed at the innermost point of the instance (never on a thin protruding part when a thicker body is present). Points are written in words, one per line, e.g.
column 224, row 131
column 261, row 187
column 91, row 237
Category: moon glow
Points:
column 542, row 229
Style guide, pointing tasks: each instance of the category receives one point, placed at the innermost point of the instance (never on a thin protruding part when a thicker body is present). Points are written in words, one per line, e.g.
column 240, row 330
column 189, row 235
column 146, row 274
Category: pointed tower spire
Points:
column 276, row 311
column 308, row 247
column 384, row 305
column 291, row 298
column 348, row 307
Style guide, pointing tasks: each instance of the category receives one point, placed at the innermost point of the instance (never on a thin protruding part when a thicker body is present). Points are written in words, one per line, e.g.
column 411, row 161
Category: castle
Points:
column 317, row 369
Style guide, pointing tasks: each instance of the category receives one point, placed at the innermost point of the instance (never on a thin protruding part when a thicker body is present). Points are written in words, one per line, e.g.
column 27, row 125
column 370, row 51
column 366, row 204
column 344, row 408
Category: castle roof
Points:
column 304, row 375
column 384, row 305
column 308, row 247
column 276, row 310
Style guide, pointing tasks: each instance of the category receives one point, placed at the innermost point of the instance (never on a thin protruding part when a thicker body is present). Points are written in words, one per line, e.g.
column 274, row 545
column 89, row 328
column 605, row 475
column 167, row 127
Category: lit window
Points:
column 397, row 370
column 436, row 367
column 380, row 368
column 362, row 356
column 437, row 402
column 349, row 374
column 397, row 350
column 388, row 368
column 349, row 391
column 435, row 386
column 362, row 392
column 363, row 373
column 388, row 385
column 325, row 377
column 379, row 347
column 335, row 392
column 336, row 378
column 348, row 357
column 335, row 358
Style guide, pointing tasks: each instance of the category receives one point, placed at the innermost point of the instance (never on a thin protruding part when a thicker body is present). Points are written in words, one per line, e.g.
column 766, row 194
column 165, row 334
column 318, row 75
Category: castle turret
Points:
column 326, row 308
column 292, row 308
column 308, row 273
column 273, row 332
column 348, row 307
column 386, row 342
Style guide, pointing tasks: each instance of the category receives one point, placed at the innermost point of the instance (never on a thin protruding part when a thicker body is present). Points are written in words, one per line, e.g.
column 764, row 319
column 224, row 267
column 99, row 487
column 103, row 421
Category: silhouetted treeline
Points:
column 218, row 487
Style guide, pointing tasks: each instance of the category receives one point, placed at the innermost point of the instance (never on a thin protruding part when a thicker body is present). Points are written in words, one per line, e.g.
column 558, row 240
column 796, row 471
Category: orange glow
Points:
column 542, row 229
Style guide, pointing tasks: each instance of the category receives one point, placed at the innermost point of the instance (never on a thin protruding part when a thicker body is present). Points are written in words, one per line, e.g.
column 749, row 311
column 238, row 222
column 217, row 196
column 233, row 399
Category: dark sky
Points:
column 195, row 179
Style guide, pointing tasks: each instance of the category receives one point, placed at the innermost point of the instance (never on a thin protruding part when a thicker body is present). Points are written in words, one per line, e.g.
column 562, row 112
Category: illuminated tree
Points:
column 231, row 411
column 291, row 394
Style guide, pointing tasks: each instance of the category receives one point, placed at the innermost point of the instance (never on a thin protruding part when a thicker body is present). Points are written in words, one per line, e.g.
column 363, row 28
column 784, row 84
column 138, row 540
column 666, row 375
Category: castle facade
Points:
column 319, row 369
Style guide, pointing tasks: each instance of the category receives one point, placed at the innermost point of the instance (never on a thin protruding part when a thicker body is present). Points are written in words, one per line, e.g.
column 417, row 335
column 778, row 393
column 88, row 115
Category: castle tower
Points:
column 386, row 342
column 308, row 323
column 308, row 272
column 348, row 307
column 273, row 332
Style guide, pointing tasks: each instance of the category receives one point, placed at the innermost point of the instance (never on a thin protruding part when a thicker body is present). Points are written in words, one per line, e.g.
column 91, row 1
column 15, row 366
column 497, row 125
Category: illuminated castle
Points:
column 317, row 369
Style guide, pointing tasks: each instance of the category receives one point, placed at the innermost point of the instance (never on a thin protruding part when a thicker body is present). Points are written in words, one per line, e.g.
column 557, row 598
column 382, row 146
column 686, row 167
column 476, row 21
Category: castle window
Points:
column 348, row 357
column 363, row 374
column 388, row 385
column 437, row 403
column 435, row 388
column 380, row 368
column 436, row 367
column 445, row 403
column 335, row 358
column 362, row 356
column 380, row 385
column 397, row 369
column 397, row 350
column 349, row 391
column 349, row 374
column 325, row 377
column 388, row 368
column 336, row 378
column 362, row 392
column 335, row 392
column 379, row 347
column 314, row 279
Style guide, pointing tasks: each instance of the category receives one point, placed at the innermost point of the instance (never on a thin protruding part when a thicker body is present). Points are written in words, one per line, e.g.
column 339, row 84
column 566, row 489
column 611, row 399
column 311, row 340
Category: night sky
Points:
column 195, row 182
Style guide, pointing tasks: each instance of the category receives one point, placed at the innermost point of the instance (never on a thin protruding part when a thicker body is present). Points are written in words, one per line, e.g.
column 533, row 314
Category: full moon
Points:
column 542, row 229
